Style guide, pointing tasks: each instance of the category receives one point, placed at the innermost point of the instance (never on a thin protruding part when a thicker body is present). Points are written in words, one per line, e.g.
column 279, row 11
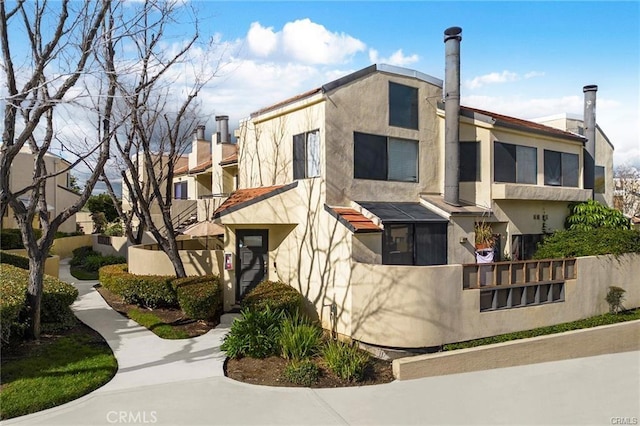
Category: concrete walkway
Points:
column 182, row 383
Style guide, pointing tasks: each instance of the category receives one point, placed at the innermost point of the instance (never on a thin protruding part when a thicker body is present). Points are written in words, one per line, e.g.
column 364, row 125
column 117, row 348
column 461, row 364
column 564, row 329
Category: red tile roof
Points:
column 201, row 167
column 287, row 101
column 243, row 197
column 357, row 221
column 530, row 125
column 233, row 158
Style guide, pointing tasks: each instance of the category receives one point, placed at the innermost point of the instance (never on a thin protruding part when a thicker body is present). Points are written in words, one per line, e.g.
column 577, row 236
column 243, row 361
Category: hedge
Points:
column 199, row 297
column 591, row 242
column 21, row 262
column 275, row 294
column 153, row 291
column 57, row 296
column 12, row 238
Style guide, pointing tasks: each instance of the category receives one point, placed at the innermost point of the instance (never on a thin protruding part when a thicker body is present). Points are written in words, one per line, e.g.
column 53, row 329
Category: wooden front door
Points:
column 252, row 248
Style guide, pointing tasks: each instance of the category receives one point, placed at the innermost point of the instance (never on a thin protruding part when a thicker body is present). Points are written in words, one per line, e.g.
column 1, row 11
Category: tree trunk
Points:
column 174, row 256
column 34, row 294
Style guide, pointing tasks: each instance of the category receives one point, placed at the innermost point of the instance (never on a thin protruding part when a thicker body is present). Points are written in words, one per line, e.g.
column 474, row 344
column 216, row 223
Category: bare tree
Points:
column 157, row 121
column 627, row 190
column 41, row 72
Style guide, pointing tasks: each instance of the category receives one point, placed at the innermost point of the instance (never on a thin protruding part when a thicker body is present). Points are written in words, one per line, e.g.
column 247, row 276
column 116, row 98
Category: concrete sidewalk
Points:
column 182, row 383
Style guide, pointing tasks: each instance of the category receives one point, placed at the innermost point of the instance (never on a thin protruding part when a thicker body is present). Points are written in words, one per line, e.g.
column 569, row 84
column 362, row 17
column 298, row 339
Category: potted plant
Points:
column 484, row 235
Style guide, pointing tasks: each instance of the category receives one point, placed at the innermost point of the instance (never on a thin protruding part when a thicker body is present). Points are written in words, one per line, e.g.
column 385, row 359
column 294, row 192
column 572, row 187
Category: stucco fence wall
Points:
column 64, row 247
column 51, row 265
column 147, row 259
column 412, row 307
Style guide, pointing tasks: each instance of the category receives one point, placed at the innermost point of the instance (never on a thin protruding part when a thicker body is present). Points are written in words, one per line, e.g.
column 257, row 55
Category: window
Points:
column 561, row 168
column 415, row 244
column 469, row 161
column 514, row 163
column 523, row 247
column 403, row 106
column 180, row 190
column 381, row 158
column 306, row 155
column 599, row 186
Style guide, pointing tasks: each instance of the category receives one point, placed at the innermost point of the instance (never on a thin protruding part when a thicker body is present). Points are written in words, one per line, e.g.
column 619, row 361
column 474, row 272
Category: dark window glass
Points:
column 552, row 168
column 504, row 162
column 369, row 156
column 431, row 244
column 299, row 156
column 398, row 244
column 526, row 164
column 403, row 106
column 523, row 247
column 570, row 169
column 180, row 190
column 469, row 161
column 403, row 164
column 599, row 182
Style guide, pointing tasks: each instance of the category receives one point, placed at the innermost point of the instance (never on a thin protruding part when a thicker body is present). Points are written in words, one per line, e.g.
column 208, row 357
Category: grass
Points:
column 596, row 321
column 156, row 325
column 55, row 373
column 81, row 274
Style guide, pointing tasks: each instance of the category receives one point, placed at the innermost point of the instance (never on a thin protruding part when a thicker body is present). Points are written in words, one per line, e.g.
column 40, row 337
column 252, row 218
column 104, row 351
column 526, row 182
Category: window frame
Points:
column 466, row 177
column 404, row 110
column 379, row 165
column 181, row 184
column 302, row 158
column 415, row 239
column 562, row 158
column 513, row 173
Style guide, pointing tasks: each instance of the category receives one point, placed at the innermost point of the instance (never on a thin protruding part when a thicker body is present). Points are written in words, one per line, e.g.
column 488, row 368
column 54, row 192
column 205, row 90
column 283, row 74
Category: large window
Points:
column 523, row 247
column 599, row 186
column 415, row 244
column 381, row 158
column 180, row 190
column 306, row 155
column 561, row 168
column 469, row 161
column 403, row 106
column 514, row 163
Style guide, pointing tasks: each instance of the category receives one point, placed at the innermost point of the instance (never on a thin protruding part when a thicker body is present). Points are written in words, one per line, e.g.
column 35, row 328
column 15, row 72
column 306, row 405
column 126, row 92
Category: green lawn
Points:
column 55, row 373
column 599, row 320
column 155, row 324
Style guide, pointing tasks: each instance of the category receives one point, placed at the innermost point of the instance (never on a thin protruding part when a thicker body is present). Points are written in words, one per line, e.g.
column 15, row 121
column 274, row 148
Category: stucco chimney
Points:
column 452, row 39
column 222, row 122
column 590, row 134
column 200, row 132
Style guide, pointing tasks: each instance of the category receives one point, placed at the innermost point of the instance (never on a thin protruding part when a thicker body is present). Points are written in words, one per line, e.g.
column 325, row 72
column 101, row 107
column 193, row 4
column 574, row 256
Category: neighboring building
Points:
column 372, row 169
column 59, row 194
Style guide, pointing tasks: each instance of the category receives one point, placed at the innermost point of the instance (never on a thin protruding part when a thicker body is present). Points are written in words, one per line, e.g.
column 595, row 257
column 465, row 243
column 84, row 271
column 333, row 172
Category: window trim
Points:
column 305, row 160
column 186, row 190
column 597, row 188
column 413, row 228
column 477, row 162
column 514, row 147
column 385, row 161
column 414, row 108
column 563, row 176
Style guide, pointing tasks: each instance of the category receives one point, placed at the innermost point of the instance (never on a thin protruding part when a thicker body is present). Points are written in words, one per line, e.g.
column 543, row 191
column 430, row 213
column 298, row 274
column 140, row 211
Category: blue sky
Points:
column 527, row 59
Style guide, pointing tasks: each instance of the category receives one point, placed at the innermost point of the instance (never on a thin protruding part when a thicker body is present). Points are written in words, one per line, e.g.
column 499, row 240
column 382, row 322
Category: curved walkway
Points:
column 181, row 382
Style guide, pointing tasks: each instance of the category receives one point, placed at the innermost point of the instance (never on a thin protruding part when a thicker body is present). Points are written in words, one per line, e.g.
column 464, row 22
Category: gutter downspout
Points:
column 452, row 116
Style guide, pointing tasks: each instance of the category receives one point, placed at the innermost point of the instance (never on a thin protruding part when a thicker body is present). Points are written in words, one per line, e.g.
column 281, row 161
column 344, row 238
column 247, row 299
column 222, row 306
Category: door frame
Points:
column 241, row 233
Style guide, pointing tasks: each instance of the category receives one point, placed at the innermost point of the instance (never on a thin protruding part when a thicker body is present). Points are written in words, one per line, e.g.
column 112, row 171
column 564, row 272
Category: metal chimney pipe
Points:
column 590, row 134
column 200, row 132
column 223, row 128
column 452, row 39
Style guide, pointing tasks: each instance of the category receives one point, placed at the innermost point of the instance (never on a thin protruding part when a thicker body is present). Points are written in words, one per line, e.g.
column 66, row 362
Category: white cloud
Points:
column 397, row 58
column 302, row 41
column 500, row 77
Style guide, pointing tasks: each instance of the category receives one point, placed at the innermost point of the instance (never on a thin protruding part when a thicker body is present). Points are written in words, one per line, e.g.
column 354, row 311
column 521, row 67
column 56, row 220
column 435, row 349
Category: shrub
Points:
column 12, row 238
column 14, row 296
column 199, row 297
column 303, row 372
column 153, row 291
column 591, row 214
column 299, row 339
column 275, row 294
column 615, row 297
column 255, row 334
column 347, row 361
column 114, row 229
column 590, row 242
column 114, row 277
column 21, row 262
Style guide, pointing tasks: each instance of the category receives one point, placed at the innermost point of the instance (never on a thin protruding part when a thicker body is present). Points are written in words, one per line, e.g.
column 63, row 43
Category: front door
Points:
column 252, row 246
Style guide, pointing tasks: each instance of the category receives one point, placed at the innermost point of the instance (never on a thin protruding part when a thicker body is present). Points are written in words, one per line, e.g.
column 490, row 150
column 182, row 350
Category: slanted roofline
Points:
column 390, row 69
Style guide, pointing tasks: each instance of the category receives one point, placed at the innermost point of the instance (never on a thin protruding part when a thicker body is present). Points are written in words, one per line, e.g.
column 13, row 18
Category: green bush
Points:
column 255, row 334
column 588, row 242
column 57, row 296
column 114, row 277
column 91, row 261
column 153, row 291
column 591, row 214
column 60, row 234
column 275, row 294
column 303, row 372
column 21, row 262
column 199, row 297
column 347, row 361
column 299, row 339
column 12, row 238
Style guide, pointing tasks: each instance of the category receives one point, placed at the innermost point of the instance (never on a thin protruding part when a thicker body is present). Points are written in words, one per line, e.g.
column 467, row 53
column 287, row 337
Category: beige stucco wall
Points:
column 64, row 247
column 147, row 261
column 426, row 306
column 51, row 264
column 363, row 106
